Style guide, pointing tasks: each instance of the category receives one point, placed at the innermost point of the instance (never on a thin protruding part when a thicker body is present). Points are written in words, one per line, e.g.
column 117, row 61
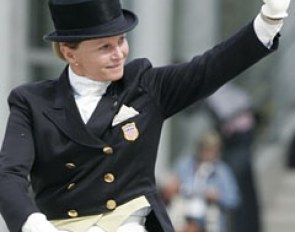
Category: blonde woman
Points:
column 88, row 140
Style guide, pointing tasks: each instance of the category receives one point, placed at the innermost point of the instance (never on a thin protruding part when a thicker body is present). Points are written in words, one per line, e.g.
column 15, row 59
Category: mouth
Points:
column 115, row 66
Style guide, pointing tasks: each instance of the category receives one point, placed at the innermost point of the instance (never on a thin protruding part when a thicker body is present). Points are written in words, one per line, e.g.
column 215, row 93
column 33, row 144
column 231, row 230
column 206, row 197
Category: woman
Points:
column 88, row 141
column 208, row 184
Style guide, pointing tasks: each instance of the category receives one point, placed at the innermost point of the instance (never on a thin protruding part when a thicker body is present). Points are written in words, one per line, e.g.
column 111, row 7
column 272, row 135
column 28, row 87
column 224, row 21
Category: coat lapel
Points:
column 102, row 117
column 66, row 117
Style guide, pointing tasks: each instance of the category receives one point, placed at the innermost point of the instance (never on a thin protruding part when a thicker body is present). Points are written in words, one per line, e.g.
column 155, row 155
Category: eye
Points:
column 121, row 39
column 105, row 47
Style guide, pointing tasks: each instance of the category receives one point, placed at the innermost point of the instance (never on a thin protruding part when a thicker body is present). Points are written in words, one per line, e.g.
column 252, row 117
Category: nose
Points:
column 118, row 53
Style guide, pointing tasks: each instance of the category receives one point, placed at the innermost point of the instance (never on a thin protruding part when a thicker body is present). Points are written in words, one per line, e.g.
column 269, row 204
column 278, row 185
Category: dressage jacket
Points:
column 69, row 163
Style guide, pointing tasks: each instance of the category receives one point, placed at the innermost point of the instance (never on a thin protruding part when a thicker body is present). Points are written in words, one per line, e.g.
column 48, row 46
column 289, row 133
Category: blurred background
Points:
column 172, row 31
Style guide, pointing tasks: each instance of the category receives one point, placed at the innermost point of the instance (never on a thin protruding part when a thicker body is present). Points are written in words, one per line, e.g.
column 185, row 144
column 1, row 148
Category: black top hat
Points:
column 78, row 20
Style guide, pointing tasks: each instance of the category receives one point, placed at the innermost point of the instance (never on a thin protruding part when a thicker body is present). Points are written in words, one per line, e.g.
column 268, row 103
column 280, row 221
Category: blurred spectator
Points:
column 232, row 108
column 208, row 186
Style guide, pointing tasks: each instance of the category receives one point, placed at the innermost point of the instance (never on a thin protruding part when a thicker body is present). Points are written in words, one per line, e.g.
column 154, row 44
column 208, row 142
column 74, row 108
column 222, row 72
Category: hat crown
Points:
column 78, row 14
column 78, row 20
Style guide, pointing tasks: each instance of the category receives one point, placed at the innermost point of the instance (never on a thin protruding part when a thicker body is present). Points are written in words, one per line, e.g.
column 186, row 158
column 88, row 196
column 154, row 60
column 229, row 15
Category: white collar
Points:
column 84, row 86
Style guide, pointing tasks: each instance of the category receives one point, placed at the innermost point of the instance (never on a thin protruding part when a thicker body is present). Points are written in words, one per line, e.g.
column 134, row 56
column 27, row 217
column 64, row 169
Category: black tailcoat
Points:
column 47, row 140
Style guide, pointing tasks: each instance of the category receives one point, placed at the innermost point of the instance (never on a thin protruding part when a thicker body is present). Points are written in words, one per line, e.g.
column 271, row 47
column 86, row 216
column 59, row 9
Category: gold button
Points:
column 109, row 178
column 73, row 213
column 70, row 165
column 71, row 186
column 108, row 150
column 111, row 204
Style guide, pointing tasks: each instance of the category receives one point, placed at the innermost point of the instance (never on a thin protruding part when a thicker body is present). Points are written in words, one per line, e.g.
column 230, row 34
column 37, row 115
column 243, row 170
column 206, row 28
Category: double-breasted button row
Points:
column 108, row 178
column 110, row 204
column 106, row 150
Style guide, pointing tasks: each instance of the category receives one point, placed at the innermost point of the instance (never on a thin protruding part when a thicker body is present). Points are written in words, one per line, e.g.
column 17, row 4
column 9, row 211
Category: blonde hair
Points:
column 57, row 51
column 210, row 140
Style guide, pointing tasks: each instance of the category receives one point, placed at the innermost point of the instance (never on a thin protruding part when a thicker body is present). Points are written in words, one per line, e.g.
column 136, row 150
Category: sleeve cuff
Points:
column 267, row 29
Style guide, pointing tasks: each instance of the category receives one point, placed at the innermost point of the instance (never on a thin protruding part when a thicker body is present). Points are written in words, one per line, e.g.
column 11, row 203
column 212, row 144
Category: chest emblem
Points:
column 130, row 131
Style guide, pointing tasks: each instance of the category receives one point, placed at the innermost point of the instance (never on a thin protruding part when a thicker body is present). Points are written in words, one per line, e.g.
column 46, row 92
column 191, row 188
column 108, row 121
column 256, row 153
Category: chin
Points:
column 117, row 76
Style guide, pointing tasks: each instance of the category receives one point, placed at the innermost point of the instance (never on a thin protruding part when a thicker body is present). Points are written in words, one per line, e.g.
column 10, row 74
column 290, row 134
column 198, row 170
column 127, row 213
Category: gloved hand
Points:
column 275, row 9
column 37, row 222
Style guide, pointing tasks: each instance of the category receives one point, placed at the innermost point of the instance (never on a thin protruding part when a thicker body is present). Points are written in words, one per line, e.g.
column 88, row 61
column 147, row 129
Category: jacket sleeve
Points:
column 177, row 86
column 16, row 160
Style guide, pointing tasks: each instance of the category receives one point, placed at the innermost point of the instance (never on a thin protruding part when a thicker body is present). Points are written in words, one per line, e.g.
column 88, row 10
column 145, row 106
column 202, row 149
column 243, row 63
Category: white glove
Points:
column 275, row 9
column 37, row 222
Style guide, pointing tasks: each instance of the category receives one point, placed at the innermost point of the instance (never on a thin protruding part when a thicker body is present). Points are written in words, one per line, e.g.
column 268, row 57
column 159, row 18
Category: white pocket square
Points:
column 124, row 113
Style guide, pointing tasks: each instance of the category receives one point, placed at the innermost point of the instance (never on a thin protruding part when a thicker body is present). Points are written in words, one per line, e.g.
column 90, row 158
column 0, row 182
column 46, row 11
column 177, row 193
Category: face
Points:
column 209, row 153
column 99, row 59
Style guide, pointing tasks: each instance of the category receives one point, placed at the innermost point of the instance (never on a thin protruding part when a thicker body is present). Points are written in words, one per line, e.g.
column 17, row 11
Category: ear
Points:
column 68, row 53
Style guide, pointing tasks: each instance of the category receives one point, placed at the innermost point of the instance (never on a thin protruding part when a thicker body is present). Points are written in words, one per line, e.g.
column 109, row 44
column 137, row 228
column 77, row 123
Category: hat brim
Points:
column 117, row 26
